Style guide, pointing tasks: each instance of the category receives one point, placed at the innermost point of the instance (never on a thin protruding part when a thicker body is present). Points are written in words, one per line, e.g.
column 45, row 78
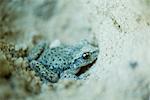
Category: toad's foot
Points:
column 84, row 76
column 69, row 76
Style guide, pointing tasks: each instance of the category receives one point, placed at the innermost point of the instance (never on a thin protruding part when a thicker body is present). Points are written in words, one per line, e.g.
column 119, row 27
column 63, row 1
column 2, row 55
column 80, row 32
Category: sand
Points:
column 120, row 28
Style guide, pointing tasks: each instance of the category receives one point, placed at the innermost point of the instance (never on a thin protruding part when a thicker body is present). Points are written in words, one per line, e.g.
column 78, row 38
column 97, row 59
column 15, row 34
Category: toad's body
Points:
column 64, row 61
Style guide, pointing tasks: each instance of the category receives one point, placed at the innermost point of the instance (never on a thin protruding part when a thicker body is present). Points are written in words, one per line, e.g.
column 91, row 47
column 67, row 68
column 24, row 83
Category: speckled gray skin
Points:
column 61, row 62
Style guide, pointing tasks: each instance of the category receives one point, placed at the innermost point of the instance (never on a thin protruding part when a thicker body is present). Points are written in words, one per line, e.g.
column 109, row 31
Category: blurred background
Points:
column 121, row 29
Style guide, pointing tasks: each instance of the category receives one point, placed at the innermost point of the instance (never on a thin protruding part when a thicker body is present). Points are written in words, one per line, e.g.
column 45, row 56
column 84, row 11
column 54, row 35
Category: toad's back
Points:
column 56, row 59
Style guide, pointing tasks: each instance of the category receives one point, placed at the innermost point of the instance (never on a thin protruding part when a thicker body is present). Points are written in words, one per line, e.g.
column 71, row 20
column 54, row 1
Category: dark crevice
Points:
column 85, row 68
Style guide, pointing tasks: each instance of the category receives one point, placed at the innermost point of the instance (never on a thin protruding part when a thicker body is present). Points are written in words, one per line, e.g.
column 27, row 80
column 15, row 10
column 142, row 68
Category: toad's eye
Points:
column 86, row 55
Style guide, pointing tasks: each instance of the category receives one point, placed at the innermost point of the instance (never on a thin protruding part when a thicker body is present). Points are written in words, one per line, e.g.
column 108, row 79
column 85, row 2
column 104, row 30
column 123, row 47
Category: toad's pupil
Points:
column 86, row 55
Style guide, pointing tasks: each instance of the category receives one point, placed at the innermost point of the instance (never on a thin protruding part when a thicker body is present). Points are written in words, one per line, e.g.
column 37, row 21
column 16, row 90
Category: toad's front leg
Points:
column 69, row 74
column 43, row 73
column 72, row 75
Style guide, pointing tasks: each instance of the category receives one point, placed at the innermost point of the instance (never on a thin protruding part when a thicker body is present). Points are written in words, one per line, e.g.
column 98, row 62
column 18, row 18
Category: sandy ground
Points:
column 121, row 28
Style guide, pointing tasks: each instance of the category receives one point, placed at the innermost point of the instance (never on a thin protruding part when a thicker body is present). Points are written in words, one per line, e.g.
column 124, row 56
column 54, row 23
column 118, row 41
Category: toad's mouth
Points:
column 85, row 68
